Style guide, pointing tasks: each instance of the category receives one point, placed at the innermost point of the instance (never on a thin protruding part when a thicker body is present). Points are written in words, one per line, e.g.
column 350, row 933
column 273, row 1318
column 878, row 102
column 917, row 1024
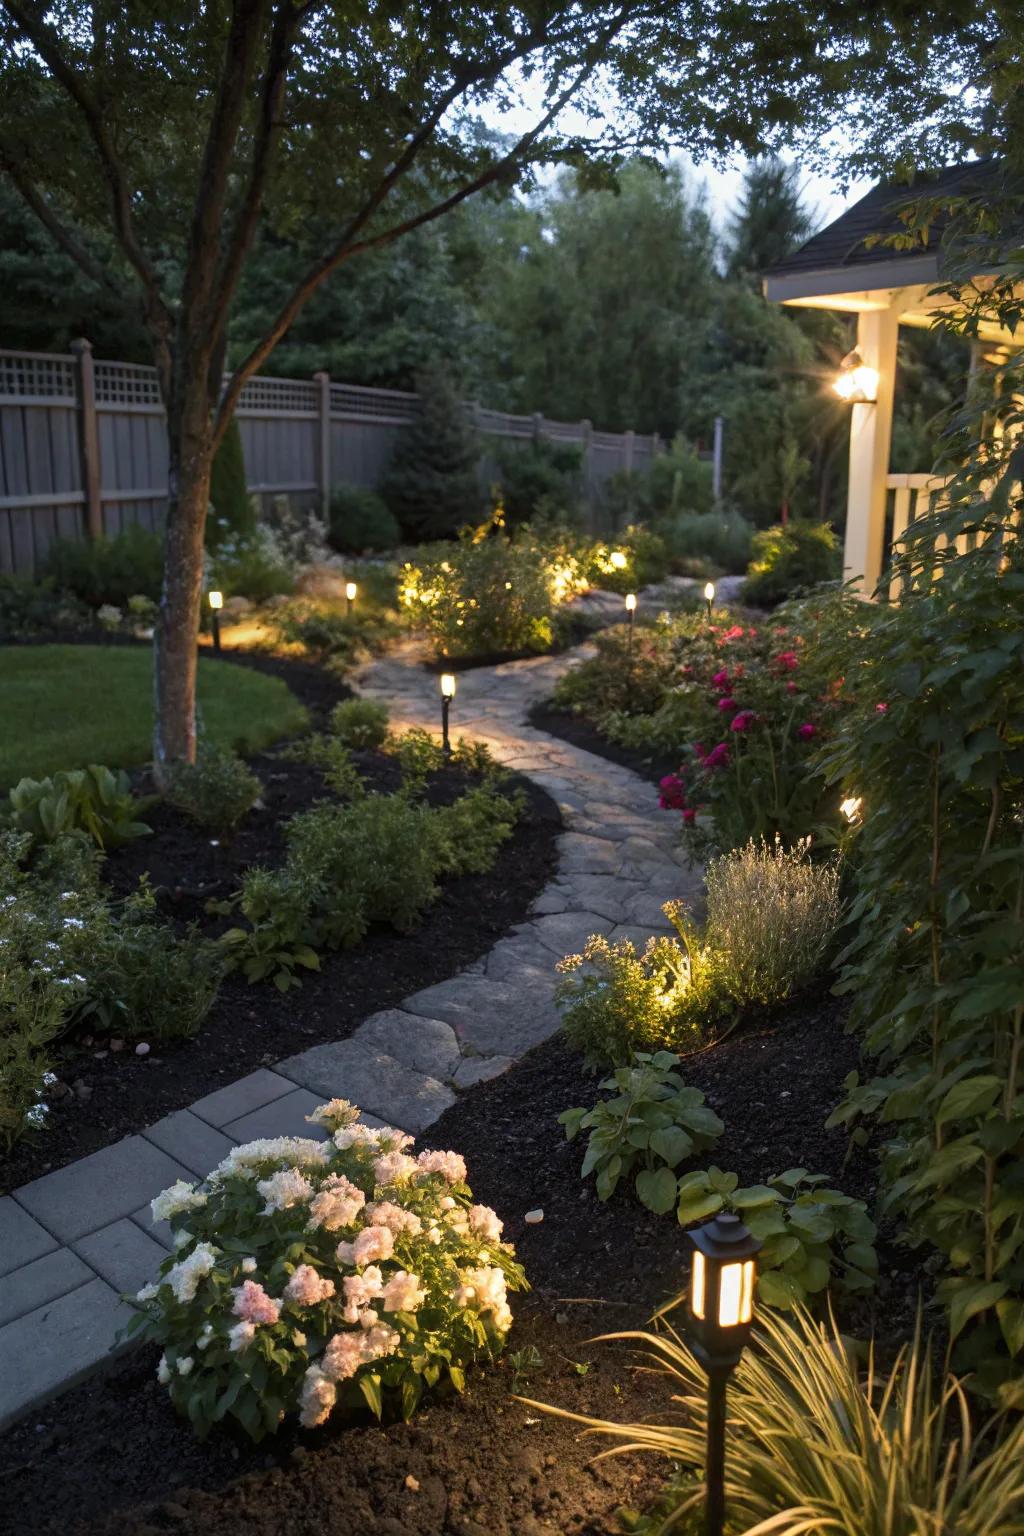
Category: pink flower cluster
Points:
column 373, row 1243
column 336, row 1204
column 672, row 797
column 253, row 1305
column 306, row 1288
column 450, row 1165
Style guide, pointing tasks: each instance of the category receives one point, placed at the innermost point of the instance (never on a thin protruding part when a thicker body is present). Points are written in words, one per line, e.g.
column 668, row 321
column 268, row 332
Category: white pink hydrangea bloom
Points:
column 450, row 1165
column 241, row 1336
column 385, row 1214
column 485, row 1223
column 484, row 1288
column 172, row 1202
column 403, row 1293
column 346, row 1352
column 306, row 1288
column 334, row 1115
column 373, row 1243
column 185, row 1276
column 360, row 1290
column 394, row 1168
column 253, row 1305
column 283, row 1189
column 336, row 1204
column 244, row 1162
column 316, row 1399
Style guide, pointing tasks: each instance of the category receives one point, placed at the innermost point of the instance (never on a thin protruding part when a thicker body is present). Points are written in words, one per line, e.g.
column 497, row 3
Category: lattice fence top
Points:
column 266, row 394
column 393, row 404
column 502, row 423
column 126, row 384
column 37, row 375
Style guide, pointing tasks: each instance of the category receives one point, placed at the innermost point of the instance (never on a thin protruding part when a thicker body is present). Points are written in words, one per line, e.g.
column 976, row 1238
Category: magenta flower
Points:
column 689, row 816
column 721, row 681
column 743, row 721
column 673, row 793
column 788, row 661
column 727, row 705
column 881, row 709
column 718, row 757
column 791, row 687
column 807, row 731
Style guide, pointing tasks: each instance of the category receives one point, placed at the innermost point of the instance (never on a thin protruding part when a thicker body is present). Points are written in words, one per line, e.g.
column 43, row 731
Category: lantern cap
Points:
column 725, row 1239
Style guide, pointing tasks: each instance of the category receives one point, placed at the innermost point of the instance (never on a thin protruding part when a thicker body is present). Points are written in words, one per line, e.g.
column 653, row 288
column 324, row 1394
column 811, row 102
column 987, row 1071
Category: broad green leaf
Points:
column 971, row 1096
column 777, row 1289
column 695, row 1207
column 968, row 1299
column 672, row 1144
column 656, row 1188
column 369, row 1386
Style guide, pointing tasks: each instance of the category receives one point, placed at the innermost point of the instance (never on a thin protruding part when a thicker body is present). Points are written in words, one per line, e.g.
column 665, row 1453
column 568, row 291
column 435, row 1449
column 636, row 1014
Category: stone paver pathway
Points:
column 72, row 1241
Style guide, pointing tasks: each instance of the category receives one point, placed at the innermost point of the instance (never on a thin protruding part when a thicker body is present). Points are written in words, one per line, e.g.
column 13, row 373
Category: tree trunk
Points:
column 190, row 444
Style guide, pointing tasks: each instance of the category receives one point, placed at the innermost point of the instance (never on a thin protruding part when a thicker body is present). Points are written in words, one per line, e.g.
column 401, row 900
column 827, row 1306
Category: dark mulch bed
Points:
column 580, row 733
column 106, row 1095
column 111, row 1457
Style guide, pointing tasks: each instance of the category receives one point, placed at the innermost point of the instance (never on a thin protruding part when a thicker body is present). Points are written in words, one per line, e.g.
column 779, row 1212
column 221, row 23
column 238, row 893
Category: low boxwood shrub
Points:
column 791, row 558
column 721, row 539
column 539, row 475
column 360, row 723
column 314, row 1277
column 360, row 520
column 217, row 791
column 32, row 608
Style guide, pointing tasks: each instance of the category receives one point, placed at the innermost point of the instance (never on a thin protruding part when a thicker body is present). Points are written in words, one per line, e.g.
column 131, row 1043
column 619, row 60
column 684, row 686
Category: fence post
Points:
column 324, row 444
column 587, row 434
column 538, row 426
column 657, row 446
column 628, row 440
column 88, row 436
column 716, row 459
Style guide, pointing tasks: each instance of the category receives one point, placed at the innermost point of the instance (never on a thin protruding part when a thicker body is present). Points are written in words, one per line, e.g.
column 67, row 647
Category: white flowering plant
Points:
column 314, row 1277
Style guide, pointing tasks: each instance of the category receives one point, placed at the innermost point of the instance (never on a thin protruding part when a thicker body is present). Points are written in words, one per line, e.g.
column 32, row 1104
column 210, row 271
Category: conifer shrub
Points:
column 432, row 484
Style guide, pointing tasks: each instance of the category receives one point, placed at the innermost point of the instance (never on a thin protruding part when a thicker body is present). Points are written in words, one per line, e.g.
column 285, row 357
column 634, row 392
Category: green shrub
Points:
column 722, row 539
column 232, row 513
column 624, row 1002
column 489, row 597
column 819, row 1442
column 252, row 565
column 334, row 760
column 144, row 980
column 376, row 859
column 107, row 572
column 31, row 608
column 538, row 475
column 651, row 1123
column 935, row 963
column 360, row 723
column 216, row 791
column 319, row 1274
column 361, row 520
column 791, row 558
column 813, row 1237
column 93, row 802
column 676, row 482
column 634, row 559
column 432, row 484
column 772, row 914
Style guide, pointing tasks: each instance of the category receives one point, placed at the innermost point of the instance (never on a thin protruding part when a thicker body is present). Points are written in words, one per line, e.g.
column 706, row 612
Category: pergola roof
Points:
column 837, row 269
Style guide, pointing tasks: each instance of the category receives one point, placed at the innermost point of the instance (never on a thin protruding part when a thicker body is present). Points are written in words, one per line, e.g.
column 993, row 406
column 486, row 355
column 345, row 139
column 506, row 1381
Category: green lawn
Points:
column 64, row 706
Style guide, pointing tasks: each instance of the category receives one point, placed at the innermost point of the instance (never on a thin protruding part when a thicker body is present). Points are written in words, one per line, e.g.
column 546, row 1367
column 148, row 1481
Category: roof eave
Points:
column 853, row 277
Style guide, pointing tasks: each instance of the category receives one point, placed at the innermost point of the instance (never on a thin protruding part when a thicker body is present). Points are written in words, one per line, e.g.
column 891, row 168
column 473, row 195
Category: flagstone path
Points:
column 72, row 1241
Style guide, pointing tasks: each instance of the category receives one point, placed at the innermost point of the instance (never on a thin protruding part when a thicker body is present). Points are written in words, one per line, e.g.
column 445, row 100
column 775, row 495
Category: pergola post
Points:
column 870, row 440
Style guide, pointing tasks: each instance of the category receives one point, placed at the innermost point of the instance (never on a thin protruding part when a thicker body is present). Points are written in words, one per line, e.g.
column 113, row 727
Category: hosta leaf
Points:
column 696, row 1206
column 862, row 1256
column 656, row 1188
column 672, row 1144
column 754, row 1195
column 777, row 1289
column 811, row 1223
column 722, row 1183
column 765, row 1221
column 812, row 1276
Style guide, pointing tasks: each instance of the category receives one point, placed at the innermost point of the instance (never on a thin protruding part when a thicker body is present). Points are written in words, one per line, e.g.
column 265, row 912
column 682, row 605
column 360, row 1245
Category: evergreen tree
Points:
column 231, row 511
column 432, row 485
column 771, row 221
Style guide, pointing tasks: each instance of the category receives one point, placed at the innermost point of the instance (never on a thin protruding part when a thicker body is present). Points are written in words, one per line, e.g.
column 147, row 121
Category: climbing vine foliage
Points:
column 935, row 752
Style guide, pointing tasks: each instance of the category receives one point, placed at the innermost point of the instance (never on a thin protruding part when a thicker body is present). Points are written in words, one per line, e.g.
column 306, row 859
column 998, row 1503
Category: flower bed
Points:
column 105, row 1091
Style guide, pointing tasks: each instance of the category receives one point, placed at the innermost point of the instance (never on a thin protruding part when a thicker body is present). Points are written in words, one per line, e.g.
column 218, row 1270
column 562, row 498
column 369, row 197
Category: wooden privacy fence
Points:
column 83, row 450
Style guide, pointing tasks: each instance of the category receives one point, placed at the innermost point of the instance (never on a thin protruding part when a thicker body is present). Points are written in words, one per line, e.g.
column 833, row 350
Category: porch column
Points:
column 870, row 439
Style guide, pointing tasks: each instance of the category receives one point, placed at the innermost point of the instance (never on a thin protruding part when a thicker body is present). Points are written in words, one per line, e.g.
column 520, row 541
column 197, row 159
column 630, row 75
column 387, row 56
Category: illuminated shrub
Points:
column 311, row 1277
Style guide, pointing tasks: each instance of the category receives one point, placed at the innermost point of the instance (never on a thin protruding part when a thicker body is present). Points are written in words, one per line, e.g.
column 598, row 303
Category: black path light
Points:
column 631, row 610
column 216, row 601
column 447, row 694
column 721, row 1314
column 350, row 596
